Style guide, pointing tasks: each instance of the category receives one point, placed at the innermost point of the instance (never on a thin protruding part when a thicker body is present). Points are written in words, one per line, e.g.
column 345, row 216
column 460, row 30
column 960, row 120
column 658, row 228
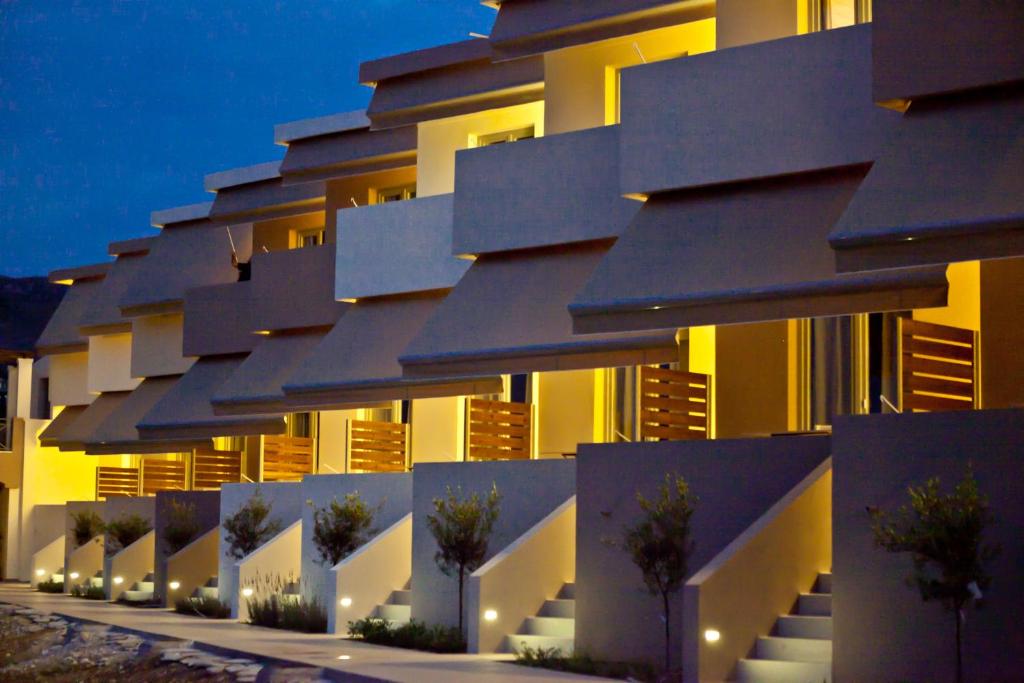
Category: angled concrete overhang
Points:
column 117, row 433
column 787, row 106
column 103, row 316
column 923, row 48
column 189, row 254
column 218, row 320
column 508, row 314
column 948, row 187
column 749, row 252
column 54, row 434
column 341, row 146
column 445, row 81
column 181, row 215
column 356, row 363
column 259, row 193
column 185, row 411
column 294, row 289
column 532, row 27
column 553, row 190
column 62, row 334
column 81, row 430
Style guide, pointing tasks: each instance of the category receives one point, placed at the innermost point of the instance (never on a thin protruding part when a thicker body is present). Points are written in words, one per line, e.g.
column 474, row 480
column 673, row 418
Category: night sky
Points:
column 112, row 109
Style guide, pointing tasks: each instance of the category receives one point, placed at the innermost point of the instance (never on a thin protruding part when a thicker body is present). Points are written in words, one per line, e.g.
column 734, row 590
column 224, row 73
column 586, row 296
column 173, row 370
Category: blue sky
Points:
column 110, row 109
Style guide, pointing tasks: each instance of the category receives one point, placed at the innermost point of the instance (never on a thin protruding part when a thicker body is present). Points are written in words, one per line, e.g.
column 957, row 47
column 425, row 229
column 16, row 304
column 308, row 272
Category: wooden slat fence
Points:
column 673, row 404
column 163, row 475
column 112, row 482
column 211, row 468
column 498, row 430
column 938, row 367
column 377, row 446
column 287, row 458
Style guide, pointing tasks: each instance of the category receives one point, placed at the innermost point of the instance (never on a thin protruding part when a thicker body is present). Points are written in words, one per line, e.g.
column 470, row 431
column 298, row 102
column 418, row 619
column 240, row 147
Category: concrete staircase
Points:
column 292, row 592
column 208, row 590
column 95, row 581
column 58, row 576
column 141, row 591
column 398, row 608
column 554, row 627
column 800, row 647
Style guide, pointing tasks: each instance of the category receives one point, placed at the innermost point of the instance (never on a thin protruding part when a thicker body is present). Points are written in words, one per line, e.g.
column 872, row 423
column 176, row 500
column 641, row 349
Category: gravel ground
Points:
column 35, row 646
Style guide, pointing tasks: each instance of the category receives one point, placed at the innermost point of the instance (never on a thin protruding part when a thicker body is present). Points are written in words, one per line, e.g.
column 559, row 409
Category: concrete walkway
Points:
column 354, row 661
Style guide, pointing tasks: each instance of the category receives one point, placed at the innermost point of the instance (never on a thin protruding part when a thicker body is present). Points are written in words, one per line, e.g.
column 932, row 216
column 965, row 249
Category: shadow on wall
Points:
column 882, row 629
column 734, row 481
column 175, row 508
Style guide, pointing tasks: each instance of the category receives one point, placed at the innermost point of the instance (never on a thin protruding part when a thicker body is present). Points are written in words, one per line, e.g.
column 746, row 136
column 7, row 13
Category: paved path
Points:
column 354, row 661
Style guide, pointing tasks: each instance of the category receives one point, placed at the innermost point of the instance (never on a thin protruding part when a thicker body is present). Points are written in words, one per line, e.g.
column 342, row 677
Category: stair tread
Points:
column 775, row 671
column 778, row 648
column 558, row 608
column 555, row 627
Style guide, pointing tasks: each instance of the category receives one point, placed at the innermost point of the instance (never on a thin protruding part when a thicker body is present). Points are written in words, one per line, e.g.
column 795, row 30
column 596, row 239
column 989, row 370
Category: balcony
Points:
column 294, row 289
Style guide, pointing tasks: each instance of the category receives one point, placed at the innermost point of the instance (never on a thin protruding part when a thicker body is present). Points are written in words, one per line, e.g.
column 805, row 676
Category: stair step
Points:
column 57, row 578
column 769, row 671
column 798, row 626
column 517, row 642
column 814, row 604
column 207, row 592
column 565, row 609
column 400, row 597
column 794, row 649
column 556, row 627
column 400, row 613
column 144, row 586
column 824, row 583
column 211, row 582
column 95, row 582
column 137, row 596
column 568, row 592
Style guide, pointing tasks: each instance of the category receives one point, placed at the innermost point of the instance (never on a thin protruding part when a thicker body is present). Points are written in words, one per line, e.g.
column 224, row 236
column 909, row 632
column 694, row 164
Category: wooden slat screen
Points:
column 112, row 482
column 498, row 430
column 673, row 404
column 163, row 475
column 937, row 367
column 377, row 446
column 287, row 458
column 211, row 468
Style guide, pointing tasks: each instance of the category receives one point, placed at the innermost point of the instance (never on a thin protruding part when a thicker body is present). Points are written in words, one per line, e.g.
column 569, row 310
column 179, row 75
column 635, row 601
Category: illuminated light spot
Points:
column 345, row 602
column 246, row 592
column 174, row 585
column 712, row 636
column 40, row 572
column 74, row 575
column 490, row 615
column 118, row 580
column 344, row 658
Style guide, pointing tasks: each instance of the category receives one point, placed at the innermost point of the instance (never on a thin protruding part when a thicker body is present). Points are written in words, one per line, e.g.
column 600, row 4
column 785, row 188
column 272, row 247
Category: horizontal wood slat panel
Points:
column 163, row 475
column 498, row 430
column 211, row 468
column 112, row 482
column 937, row 359
column 377, row 446
column 287, row 458
column 673, row 404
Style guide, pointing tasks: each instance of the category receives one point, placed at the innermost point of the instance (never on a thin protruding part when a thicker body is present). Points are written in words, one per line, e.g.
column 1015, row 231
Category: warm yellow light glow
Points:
column 345, row 602
column 712, row 636
column 74, row 575
column 490, row 615
column 350, row 301
column 118, row 580
column 174, row 585
column 246, row 592
column 64, row 282
column 344, row 658
column 265, row 333
column 40, row 572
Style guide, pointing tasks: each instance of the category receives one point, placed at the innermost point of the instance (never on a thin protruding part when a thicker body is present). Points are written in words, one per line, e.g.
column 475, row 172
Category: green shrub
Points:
column 88, row 592
column 181, row 526
column 203, row 606
column 341, row 528
column 50, row 586
column 462, row 527
column 414, row 635
column 88, row 525
column 249, row 528
column 269, row 606
column 124, row 531
column 553, row 659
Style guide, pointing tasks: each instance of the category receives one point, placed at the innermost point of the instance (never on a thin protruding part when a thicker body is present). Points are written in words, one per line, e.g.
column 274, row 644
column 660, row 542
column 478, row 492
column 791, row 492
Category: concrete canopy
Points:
column 53, row 435
column 103, row 314
column 741, row 253
column 61, row 334
column 508, row 314
column 82, row 430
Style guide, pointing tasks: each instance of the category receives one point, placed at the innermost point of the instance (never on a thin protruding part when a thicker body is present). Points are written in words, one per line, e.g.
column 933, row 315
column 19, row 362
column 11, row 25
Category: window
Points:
column 313, row 237
column 395, row 194
column 829, row 14
column 620, row 406
column 302, row 425
column 505, row 137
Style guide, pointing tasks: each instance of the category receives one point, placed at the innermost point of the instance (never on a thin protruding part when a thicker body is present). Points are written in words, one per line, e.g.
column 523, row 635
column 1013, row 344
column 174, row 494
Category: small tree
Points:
column 462, row 527
column 88, row 525
column 249, row 528
column 659, row 544
column 340, row 528
column 181, row 526
column 125, row 530
column 943, row 534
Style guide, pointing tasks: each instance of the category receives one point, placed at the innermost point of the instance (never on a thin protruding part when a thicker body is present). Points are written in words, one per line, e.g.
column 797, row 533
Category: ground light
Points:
column 118, row 580
column 344, row 658
column 712, row 636
column 40, row 572
column 345, row 602
column 246, row 592
column 73, row 575
column 490, row 615
column 174, row 585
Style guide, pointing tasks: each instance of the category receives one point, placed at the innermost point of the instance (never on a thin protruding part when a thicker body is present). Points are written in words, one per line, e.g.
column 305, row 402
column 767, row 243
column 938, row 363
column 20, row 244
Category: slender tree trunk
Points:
column 959, row 655
column 668, row 648
column 462, row 571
